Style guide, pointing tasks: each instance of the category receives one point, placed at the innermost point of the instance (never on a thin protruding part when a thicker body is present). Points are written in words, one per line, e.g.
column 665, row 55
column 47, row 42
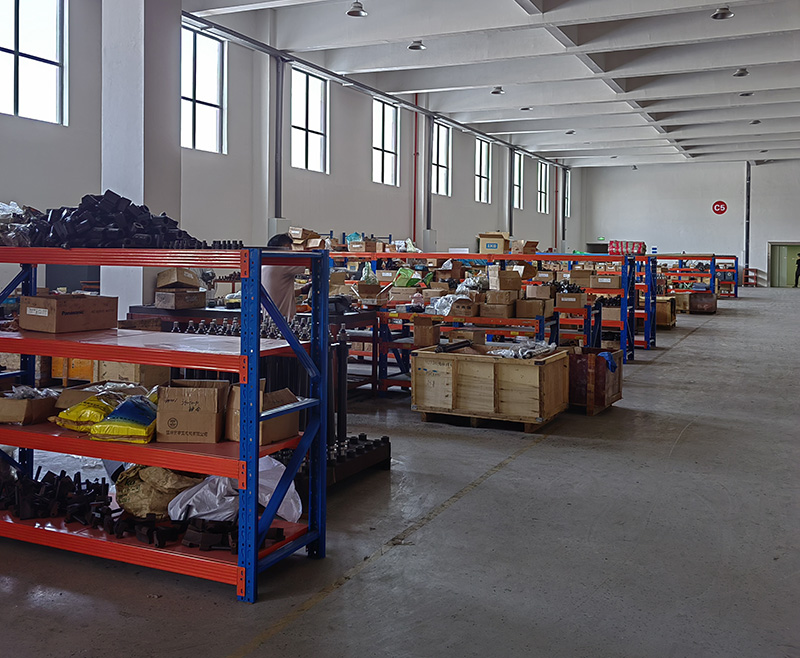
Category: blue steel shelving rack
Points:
column 226, row 459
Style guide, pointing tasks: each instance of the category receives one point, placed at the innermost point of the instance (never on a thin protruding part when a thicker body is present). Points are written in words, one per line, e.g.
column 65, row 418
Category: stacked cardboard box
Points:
column 179, row 287
column 304, row 239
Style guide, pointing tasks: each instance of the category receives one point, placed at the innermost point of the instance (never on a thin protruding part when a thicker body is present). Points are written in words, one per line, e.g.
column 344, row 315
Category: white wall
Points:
column 668, row 206
column 774, row 209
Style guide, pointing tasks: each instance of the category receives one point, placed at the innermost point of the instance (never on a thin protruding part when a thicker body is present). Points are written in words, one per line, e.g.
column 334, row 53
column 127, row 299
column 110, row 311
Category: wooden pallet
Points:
column 481, row 421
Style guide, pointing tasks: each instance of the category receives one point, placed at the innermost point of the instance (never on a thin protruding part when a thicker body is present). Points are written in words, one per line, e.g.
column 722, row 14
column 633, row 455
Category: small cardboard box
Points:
column 398, row 294
column 191, row 411
column 503, row 279
column 370, row 290
column 476, row 336
column 425, row 332
column 178, row 300
column 315, row 243
column 526, row 270
column 145, row 375
column 432, row 293
column 455, row 272
column 301, row 234
column 612, row 313
column 354, row 267
column 178, row 277
column 531, row 308
column 477, row 297
column 369, row 246
column 545, row 275
column 606, row 281
column 26, row 412
column 494, row 242
column 501, row 296
column 386, row 276
column 464, row 308
column 524, row 247
column 440, row 285
column 540, row 292
column 571, row 300
column 58, row 314
column 75, row 394
column 272, row 430
column 497, row 310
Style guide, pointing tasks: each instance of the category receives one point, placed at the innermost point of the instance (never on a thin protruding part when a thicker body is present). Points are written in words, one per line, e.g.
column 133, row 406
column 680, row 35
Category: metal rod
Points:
column 429, row 127
column 747, row 216
column 280, row 74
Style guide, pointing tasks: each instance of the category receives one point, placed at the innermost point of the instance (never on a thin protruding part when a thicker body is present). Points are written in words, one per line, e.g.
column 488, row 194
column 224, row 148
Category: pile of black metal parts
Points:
column 106, row 221
column 567, row 287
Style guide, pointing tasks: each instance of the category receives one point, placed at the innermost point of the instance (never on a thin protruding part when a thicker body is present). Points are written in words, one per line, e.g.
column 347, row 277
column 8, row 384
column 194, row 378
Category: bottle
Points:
column 176, row 328
column 201, row 328
column 212, row 328
column 225, row 329
column 190, row 328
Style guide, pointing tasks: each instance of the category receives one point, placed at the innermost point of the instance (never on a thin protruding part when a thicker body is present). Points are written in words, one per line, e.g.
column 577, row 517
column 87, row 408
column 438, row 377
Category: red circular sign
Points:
column 719, row 207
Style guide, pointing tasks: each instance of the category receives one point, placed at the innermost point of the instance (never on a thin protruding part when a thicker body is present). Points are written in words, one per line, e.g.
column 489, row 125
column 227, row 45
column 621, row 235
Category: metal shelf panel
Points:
column 219, row 258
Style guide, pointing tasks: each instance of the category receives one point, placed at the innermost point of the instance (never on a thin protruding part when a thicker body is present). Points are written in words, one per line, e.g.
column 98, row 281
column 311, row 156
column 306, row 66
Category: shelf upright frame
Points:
column 626, row 336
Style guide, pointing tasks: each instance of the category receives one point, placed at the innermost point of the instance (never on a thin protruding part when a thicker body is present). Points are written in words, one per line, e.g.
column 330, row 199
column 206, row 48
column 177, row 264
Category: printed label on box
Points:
column 492, row 245
column 569, row 299
column 602, row 279
column 37, row 311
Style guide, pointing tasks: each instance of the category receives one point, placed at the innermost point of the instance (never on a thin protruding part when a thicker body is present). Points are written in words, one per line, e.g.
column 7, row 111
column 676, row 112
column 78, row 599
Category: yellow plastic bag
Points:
column 134, row 421
column 80, row 417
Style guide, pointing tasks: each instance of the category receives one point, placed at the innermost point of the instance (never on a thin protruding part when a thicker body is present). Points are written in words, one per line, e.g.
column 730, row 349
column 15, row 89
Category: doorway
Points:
column 782, row 258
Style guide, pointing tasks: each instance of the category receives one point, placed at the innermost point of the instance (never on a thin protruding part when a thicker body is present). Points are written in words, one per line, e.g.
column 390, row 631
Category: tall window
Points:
column 543, row 201
column 385, row 135
column 440, row 163
column 518, row 173
column 202, row 91
column 32, row 59
column 309, row 122
column 483, row 171
column 567, row 191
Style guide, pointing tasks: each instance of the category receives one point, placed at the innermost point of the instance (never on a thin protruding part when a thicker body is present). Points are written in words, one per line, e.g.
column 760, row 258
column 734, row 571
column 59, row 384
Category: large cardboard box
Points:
column 464, row 308
column 302, row 234
column 74, row 394
column 145, row 375
column 531, row 308
column 177, row 300
column 386, row 276
column 58, row 314
column 524, row 247
column 455, row 272
column 497, row 310
column 545, row 276
column 606, row 281
column 526, row 270
column 503, row 279
column 475, row 336
column 178, row 277
column 26, row 412
column 272, row 430
column 501, row 296
column 398, row 294
column 612, row 313
column 540, row 292
column 369, row 246
column 571, row 300
column 191, row 411
column 432, row 293
column 494, row 242
column 425, row 332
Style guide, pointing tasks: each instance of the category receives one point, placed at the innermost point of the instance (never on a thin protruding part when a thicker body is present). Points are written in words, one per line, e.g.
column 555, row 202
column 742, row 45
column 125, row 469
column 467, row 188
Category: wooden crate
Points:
column 666, row 311
column 682, row 301
column 703, row 302
column 66, row 369
column 529, row 391
column 592, row 385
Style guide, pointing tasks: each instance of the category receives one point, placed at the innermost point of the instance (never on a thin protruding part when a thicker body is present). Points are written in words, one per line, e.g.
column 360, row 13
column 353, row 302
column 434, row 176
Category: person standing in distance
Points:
column 796, row 270
column 278, row 280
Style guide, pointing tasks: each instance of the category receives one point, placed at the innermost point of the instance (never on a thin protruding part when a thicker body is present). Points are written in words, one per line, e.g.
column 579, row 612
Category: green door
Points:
column 782, row 264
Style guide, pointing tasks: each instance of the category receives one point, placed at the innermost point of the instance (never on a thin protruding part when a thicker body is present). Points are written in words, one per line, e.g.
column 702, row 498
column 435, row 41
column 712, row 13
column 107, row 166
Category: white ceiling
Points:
column 638, row 81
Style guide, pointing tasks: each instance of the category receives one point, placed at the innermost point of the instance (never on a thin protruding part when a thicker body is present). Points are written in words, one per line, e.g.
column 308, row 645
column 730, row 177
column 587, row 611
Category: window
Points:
column 202, row 91
column 483, row 171
column 543, row 204
column 440, row 162
column 385, row 134
column 32, row 59
column 567, row 191
column 518, row 174
column 309, row 122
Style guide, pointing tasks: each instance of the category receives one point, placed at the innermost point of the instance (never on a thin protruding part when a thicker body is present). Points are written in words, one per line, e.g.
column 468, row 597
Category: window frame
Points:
column 436, row 166
column 221, row 84
column 325, row 110
column 15, row 52
column 543, row 188
column 483, row 170
column 382, row 150
column 518, row 178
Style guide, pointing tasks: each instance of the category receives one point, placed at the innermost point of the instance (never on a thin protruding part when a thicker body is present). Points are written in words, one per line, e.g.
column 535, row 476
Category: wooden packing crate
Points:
column 529, row 391
column 666, row 311
column 592, row 385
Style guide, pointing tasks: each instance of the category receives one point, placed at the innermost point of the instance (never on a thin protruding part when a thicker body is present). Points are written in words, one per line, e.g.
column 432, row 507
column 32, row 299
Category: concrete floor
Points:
column 665, row 527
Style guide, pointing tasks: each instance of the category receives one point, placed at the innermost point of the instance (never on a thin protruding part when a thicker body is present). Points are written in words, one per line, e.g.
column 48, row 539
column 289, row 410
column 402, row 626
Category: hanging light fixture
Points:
column 634, row 168
column 741, row 73
column 723, row 13
column 570, row 132
column 755, row 122
column 356, row 10
column 525, row 109
column 498, row 91
column 746, row 94
column 416, row 45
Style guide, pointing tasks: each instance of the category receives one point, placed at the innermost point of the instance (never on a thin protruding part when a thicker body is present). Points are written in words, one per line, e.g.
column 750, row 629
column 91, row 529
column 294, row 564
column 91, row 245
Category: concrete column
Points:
column 141, row 154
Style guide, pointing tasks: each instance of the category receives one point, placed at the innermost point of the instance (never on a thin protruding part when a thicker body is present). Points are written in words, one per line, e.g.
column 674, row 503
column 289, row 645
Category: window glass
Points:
column 38, row 28
column 6, row 82
column 206, row 128
column 7, row 24
column 316, row 104
column 38, row 90
column 202, row 78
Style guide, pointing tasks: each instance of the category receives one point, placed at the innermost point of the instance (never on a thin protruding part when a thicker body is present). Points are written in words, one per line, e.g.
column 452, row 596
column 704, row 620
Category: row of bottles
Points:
column 301, row 327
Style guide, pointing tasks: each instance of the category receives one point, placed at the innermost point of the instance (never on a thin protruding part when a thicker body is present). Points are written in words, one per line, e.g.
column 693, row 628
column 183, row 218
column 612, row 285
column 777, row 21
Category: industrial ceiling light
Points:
column 746, row 94
column 741, row 73
column 498, row 91
column 723, row 13
column 570, row 132
column 755, row 122
column 416, row 45
column 356, row 10
column 764, row 151
column 525, row 109
column 634, row 168
column 613, row 157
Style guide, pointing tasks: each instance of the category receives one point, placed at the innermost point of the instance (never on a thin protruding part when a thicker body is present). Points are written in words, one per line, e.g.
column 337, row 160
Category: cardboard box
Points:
column 146, row 375
column 428, row 294
column 26, row 412
column 545, row 275
column 605, row 281
column 524, row 247
column 271, row 430
column 540, row 292
column 371, row 290
column 612, row 313
column 571, row 300
column 386, row 276
column 58, row 314
column 302, row 234
column 531, row 308
column 494, row 242
column 191, row 411
column 455, row 272
column 476, row 336
column 398, row 294
column 503, row 279
column 464, row 308
column 178, row 277
column 75, row 394
column 178, row 300
column 425, row 332
column 369, row 246
column 315, row 243
column 526, row 270
column 497, row 310
column 477, row 297
column 440, row 285
column 501, row 296
column 74, row 368
column 354, row 267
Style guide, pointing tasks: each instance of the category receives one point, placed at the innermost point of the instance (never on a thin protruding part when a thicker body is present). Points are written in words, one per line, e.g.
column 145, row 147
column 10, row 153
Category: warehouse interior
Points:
column 667, row 524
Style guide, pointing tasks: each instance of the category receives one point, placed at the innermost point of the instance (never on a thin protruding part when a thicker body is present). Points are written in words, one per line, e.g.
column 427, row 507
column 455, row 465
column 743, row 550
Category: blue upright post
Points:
column 626, row 340
column 27, row 363
column 249, row 438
